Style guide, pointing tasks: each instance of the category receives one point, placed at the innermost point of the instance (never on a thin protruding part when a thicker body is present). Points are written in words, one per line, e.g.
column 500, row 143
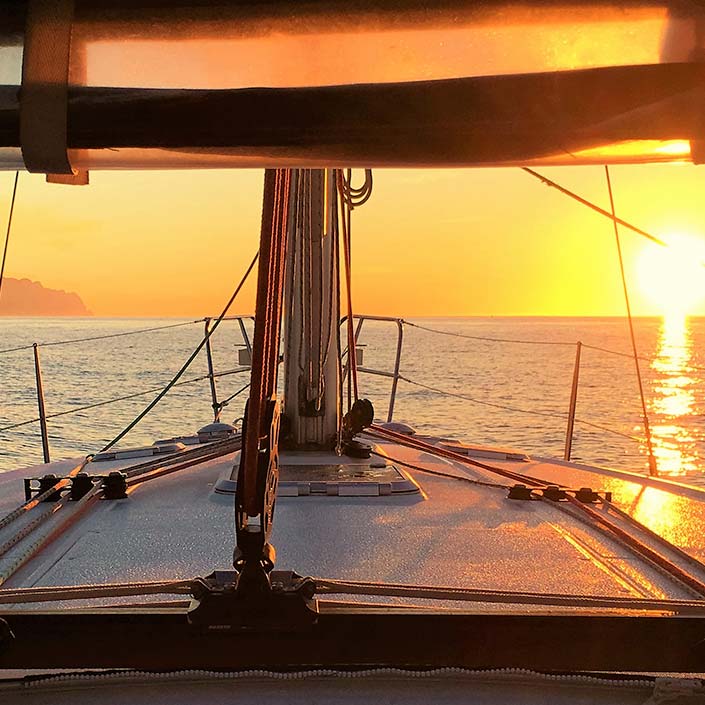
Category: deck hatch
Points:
column 371, row 479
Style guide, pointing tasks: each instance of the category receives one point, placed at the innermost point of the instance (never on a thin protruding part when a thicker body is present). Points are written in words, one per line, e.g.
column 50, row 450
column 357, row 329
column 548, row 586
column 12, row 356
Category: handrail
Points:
column 573, row 402
column 211, row 377
column 570, row 417
column 115, row 400
column 395, row 376
column 40, row 405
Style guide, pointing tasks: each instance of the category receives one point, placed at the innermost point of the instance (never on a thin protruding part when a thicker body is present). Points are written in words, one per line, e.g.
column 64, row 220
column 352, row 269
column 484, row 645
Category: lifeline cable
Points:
column 653, row 469
column 188, row 362
column 488, row 339
column 51, row 343
column 520, row 341
column 9, row 227
column 227, row 400
column 645, row 358
column 506, row 407
column 114, row 400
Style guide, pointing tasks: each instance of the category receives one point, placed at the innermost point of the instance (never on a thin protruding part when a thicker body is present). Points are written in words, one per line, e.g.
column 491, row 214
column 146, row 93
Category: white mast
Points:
column 311, row 404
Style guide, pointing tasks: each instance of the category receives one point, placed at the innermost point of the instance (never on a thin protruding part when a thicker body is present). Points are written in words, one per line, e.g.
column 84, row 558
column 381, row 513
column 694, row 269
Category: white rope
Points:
column 88, row 592
column 425, row 592
column 352, row 587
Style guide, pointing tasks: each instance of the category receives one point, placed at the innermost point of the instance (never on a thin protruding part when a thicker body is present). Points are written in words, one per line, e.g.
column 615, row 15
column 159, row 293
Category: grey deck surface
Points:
column 456, row 534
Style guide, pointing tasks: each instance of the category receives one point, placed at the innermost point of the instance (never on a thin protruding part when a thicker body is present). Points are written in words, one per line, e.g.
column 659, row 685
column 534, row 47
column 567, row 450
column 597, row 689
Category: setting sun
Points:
column 674, row 277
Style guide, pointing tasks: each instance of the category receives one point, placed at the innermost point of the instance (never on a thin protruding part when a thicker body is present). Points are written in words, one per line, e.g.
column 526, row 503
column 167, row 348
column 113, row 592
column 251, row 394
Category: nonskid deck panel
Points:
column 455, row 535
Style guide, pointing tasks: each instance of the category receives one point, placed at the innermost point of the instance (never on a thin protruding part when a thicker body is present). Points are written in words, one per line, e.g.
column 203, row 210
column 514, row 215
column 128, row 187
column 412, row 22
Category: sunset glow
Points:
column 441, row 242
column 674, row 277
column 675, row 447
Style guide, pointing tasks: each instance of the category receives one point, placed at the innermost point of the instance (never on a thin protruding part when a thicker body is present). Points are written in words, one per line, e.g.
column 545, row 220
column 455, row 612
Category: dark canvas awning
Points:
column 213, row 84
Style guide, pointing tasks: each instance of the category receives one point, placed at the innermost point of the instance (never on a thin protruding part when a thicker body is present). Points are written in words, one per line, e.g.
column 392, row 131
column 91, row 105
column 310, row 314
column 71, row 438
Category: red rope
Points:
column 346, row 220
column 265, row 345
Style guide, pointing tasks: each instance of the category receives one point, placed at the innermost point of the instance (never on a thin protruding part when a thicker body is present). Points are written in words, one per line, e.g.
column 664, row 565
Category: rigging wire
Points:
column 227, row 400
column 347, row 251
column 188, row 362
column 653, row 469
column 594, row 207
column 9, row 228
column 325, row 343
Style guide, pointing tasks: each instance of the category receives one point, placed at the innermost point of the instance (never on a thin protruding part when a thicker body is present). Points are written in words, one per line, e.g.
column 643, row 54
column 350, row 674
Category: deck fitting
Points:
column 554, row 493
column 586, row 495
column 520, row 492
column 46, row 483
column 81, row 485
column 115, row 485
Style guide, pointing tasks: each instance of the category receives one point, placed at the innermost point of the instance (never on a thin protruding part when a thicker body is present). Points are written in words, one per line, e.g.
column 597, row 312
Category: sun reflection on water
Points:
column 673, row 398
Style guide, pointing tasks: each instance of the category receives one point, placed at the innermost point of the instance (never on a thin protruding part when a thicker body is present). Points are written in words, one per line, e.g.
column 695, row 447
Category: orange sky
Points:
column 437, row 242
column 440, row 242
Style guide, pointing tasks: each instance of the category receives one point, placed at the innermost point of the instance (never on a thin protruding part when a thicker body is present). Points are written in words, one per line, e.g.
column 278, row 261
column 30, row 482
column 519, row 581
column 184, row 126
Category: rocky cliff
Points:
column 22, row 297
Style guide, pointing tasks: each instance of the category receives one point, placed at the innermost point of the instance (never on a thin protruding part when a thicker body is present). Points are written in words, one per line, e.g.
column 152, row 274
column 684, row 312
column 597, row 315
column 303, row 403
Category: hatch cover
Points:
column 372, row 478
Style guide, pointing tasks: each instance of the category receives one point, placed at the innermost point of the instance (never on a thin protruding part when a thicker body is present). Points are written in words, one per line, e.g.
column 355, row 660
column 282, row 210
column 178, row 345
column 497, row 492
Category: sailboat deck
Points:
column 453, row 534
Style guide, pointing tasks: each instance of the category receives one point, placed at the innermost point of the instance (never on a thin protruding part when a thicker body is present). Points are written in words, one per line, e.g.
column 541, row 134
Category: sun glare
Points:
column 673, row 278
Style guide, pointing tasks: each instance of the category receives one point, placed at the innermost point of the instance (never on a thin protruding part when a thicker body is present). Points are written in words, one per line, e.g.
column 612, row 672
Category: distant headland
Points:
column 23, row 297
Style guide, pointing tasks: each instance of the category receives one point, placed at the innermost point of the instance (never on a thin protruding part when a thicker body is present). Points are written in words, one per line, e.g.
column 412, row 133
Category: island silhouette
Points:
column 24, row 297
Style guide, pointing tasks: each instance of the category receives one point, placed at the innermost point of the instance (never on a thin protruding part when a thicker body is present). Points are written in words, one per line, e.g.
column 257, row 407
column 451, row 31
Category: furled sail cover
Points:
column 211, row 83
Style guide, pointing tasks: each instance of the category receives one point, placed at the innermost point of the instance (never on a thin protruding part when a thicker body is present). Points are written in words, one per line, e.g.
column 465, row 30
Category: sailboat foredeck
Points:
column 453, row 534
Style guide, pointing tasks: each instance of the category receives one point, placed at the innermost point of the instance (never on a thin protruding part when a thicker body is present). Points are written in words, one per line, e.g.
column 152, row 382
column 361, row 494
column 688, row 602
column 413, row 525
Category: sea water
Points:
column 493, row 381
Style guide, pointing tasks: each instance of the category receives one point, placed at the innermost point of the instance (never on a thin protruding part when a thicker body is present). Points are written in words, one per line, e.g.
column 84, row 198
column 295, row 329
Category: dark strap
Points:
column 44, row 95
